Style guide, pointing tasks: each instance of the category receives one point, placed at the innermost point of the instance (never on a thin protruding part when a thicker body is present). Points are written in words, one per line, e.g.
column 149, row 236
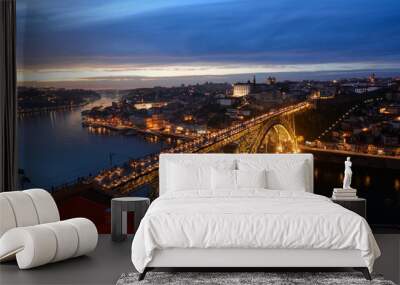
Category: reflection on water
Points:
column 381, row 188
column 340, row 178
column 152, row 139
column 54, row 148
column 367, row 181
column 397, row 184
column 100, row 131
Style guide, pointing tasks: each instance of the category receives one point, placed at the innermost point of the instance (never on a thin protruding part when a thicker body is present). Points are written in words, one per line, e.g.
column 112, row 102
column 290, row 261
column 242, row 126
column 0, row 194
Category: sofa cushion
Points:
column 23, row 208
column 45, row 205
column 7, row 220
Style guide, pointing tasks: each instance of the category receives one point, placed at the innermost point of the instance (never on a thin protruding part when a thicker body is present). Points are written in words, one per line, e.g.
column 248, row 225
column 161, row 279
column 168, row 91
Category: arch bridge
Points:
column 270, row 132
column 276, row 135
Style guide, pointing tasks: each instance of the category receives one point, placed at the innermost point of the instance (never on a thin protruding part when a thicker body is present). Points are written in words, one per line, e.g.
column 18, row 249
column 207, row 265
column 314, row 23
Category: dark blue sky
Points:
column 120, row 40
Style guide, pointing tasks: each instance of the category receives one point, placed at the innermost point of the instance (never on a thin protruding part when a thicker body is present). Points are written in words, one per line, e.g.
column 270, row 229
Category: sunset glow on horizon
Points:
column 193, row 70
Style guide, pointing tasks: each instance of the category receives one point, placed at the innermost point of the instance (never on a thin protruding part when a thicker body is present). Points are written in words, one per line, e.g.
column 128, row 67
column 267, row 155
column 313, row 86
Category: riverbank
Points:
column 133, row 130
column 52, row 109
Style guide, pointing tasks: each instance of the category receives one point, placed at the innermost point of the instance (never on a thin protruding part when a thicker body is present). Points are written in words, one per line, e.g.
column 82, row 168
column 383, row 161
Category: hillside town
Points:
column 194, row 110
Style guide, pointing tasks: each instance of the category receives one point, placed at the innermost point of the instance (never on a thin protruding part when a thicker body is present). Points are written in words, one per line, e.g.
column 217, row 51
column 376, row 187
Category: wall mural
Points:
column 105, row 86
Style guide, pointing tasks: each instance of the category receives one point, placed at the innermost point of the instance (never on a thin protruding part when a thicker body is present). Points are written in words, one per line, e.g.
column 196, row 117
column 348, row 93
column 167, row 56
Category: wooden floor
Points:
column 111, row 259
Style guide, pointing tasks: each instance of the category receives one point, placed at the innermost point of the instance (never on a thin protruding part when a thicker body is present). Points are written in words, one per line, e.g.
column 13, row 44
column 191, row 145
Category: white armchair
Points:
column 31, row 230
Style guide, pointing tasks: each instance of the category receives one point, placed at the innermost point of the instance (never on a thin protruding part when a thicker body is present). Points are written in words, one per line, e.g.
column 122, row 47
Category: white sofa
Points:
column 31, row 231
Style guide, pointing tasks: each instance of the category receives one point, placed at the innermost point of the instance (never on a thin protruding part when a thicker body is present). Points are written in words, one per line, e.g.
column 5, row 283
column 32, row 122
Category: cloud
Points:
column 111, row 35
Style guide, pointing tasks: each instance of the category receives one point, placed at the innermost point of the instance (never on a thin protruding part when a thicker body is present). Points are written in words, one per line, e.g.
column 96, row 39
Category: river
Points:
column 54, row 148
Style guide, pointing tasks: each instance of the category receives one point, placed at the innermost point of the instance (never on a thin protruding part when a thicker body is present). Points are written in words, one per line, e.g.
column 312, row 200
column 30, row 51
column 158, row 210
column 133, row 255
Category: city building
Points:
column 365, row 89
column 156, row 122
column 241, row 89
column 225, row 101
column 149, row 105
column 138, row 120
column 250, row 88
column 271, row 80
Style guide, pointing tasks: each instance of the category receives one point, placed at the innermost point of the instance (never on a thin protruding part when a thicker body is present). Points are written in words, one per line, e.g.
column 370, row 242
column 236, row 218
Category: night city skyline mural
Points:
column 105, row 86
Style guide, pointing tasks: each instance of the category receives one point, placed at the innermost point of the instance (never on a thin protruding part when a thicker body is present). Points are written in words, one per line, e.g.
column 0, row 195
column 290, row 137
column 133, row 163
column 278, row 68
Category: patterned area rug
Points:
column 233, row 278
